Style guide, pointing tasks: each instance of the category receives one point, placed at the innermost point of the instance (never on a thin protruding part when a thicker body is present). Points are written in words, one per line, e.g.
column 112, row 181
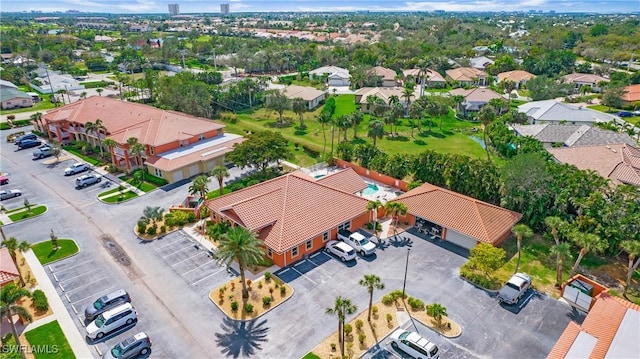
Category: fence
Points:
column 373, row 175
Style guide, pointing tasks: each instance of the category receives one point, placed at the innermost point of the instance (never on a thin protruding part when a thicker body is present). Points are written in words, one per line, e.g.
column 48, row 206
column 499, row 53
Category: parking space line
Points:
column 81, row 275
column 84, row 285
column 94, row 295
column 191, row 270
column 186, row 259
column 212, row 274
column 75, row 266
column 179, row 250
column 309, row 279
column 168, row 244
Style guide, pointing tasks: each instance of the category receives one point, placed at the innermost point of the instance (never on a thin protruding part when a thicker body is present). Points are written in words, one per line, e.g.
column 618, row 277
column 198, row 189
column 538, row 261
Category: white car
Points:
column 75, row 168
column 341, row 249
column 85, row 180
column 414, row 344
column 6, row 194
column 113, row 319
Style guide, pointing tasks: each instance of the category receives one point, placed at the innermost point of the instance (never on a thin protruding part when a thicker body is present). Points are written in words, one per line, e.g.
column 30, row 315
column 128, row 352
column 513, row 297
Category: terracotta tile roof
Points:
column 346, row 180
column 432, row 76
column 8, row 270
column 476, row 94
column 632, row 94
column 602, row 323
column 584, row 78
column 385, row 73
column 465, row 74
column 152, row 126
column 201, row 151
column 289, row 210
column 515, row 76
column 480, row 220
column 304, row 92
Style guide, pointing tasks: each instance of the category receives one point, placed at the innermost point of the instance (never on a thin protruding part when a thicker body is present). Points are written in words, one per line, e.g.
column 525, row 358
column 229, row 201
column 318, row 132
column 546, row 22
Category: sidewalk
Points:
column 75, row 339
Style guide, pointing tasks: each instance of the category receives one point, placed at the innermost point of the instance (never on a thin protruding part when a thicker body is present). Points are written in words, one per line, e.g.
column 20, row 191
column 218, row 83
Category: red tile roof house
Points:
column 578, row 80
column 295, row 214
column 631, row 96
column 177, row 145
column 460, row 219
column 610, row 330
column 8, row 271
column 467, row 76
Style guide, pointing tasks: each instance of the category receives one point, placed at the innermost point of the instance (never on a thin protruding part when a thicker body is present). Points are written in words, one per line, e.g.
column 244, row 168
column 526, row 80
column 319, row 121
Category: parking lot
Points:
column 192, row 262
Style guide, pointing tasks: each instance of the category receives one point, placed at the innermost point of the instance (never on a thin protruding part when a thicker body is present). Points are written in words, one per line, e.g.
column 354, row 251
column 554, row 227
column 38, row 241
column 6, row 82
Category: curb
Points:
column 490, row 291
column 58, row 260
column 441, row 334
column 26, row 219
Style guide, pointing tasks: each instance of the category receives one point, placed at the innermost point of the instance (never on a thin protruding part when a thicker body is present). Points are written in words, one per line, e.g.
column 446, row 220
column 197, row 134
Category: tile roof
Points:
column 152, row 126
column 432, row 76
column 383, row 93
column 610, row 321
column 515, row 76
column 346, row 180
column 573, row 135
column 478, row 94
column 465, row 74
column 584, row 78
column 632, row 94
column 304, row 92
column 289, row 210
column 553, row 110
column 8, row 270
column 202, row 151
column 385, row 73
column 479, row 220
column 329, row 70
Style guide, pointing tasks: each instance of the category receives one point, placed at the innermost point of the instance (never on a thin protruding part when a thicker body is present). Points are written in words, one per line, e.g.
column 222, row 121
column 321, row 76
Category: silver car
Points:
column 131, row 347
column 86, row 180
column 6, row 194
column 75, row 168
column 341, row 249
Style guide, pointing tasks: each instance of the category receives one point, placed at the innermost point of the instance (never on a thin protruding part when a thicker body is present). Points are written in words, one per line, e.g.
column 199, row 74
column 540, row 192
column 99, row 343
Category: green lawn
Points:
column 51, row 340
column 35, row 210
column 602, row 108
column 310, row 355
column 86, row 158
column 45, row 253
column 125, row 196
column 40, row 106
column 144, row 186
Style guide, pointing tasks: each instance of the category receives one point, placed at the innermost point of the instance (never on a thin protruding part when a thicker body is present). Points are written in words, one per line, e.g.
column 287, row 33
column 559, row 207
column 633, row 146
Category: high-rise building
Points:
column 174, row 9
column 224, row 9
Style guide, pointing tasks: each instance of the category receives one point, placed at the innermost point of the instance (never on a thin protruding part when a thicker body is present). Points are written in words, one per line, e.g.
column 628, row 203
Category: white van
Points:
column 124, row 314
column 414, row 344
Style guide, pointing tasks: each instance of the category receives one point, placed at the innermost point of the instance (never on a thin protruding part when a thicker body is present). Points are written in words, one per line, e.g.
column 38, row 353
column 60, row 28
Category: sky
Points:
column 202, row 6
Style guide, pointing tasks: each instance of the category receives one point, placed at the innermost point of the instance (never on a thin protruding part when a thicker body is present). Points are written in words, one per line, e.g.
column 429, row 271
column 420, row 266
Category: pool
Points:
column 318, row 176
column 371, row 189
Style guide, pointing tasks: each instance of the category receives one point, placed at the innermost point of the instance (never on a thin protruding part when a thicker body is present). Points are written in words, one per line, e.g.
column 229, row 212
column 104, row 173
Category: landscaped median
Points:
column 26, row 212
column 46, row 253
column 117, row 195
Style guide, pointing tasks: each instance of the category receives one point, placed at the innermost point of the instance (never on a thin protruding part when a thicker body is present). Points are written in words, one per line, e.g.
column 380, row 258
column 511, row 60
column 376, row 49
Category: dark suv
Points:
column 28, row 144
column 106, row 302
column 28, row 136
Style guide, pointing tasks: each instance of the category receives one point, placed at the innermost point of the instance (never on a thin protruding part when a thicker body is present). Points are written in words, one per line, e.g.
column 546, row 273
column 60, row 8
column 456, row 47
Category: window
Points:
column 325, row 236
column 345, row 225
column 214, row 216
column 151, row 149
column 201, row 137
column 309, row 244
column 294, row 252
column 158, row 172
column 269, row 253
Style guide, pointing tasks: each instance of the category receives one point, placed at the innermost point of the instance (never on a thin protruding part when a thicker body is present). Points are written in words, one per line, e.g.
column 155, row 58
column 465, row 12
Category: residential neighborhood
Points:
column 230, row 182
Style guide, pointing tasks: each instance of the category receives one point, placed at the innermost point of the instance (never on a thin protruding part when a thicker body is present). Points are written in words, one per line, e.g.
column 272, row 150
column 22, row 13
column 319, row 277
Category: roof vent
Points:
column 608, row 147
column 614, row 151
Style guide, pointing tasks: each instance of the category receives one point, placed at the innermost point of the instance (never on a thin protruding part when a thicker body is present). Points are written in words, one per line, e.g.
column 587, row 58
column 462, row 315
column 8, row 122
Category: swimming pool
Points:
column 318, row 176
column 371, row 189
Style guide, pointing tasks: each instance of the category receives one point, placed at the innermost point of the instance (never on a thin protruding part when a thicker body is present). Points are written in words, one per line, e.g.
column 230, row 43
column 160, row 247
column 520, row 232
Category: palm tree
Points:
column 373, row 207
column 554, row 224
column 110, row 144
column 521, row 231
column 243, row 246
column 14, row 246
column 407, row 93
column 588, row 242
column 356, row 119
column 371, row 282
column 376, row 130
column 99, row 127
column 396, row 209
column 486, row 115
column 632, row 248
column 562, row 251
column 152, row 214
column 437, row 311
column 199, row 186
column 37, row 119
column 136, row 149
column 341, row 308
column 220, row 172
column 9, row 296
column 343, row 122
column 99, row 91
column 324, row 118
column 89, row 128
column 299, row 106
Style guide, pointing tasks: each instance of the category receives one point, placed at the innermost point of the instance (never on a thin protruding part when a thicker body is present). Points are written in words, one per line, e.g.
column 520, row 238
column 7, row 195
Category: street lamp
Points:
column 404, row 283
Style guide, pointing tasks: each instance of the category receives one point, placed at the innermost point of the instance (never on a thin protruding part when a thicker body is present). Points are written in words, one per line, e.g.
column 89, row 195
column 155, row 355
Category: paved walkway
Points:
column 75, row 339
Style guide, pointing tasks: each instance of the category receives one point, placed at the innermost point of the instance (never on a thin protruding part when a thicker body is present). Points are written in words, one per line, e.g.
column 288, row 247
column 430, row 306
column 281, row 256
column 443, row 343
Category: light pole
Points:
column 404, row 283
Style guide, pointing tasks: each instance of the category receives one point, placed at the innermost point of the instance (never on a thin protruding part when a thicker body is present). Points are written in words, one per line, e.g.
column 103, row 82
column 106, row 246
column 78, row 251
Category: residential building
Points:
column 4, row 84
column 386, row 77
column 432, row 78
column 224, row 9
column 176, row 145
column 50, row 81
column 474, row 99
column 311, row 95
column 174, row 9
column 467, row 76
column 8, row 271
column 13, row 98
column 295, row 214
column 519, row 77
column 554, row 111
column 619, row 162
column 384, row 93
column 336, row 76
column 610, row 330
column 631, row 96
column 480, row 62
column 565, row 135
column 578, row 80
column 456, row 218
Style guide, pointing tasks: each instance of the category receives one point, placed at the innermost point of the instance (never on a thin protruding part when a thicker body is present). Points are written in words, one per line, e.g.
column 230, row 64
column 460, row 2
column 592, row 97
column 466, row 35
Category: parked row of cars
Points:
column 112, row 312
column 348, row 244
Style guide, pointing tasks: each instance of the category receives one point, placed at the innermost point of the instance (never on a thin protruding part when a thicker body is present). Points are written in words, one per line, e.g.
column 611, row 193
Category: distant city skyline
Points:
column 208, row 6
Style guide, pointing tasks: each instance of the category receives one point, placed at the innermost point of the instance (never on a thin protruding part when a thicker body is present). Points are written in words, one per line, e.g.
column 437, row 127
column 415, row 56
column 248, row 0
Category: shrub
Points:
column 415, row 303
column 152, row 230
column 348, row 329
column 191, row 218
column 387, row 299
column 359, row 325
column 248, row 307
column 142, row 227
column 389, row 317
column 333, row 347
column 163, row 228
column 260, row 285
column 283, row 290
column 267, row 276
column 361, row 338
column 374, row 310
column 40, row 300
column 222, row 289
column 266, row 301
column 234, row 306
column 158, row 181
column 249, row 283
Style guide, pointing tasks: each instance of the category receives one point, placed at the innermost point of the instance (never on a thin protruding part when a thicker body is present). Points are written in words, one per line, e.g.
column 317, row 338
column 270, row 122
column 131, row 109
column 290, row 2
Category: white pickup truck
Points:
column 513, row 290
column 357, row 241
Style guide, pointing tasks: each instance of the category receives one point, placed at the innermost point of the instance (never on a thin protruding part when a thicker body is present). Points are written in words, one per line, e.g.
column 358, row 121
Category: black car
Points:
column 28, row 144
column 28, row 136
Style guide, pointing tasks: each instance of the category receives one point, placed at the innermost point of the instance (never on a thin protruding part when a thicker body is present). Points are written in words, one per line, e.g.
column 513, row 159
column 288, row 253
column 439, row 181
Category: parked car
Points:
column 106, row 302
column 341, row 249
column 6, row 194
column 513, row 290
column 28, row 144
column 86, row 180
column 111, row 320
column 135, row 345
column 357, row 241
column 636, row 113
column 28, row 136
column 414, row 344
column 42, row 152
column 625, row 114
column 75, row 168
column 4, row 180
